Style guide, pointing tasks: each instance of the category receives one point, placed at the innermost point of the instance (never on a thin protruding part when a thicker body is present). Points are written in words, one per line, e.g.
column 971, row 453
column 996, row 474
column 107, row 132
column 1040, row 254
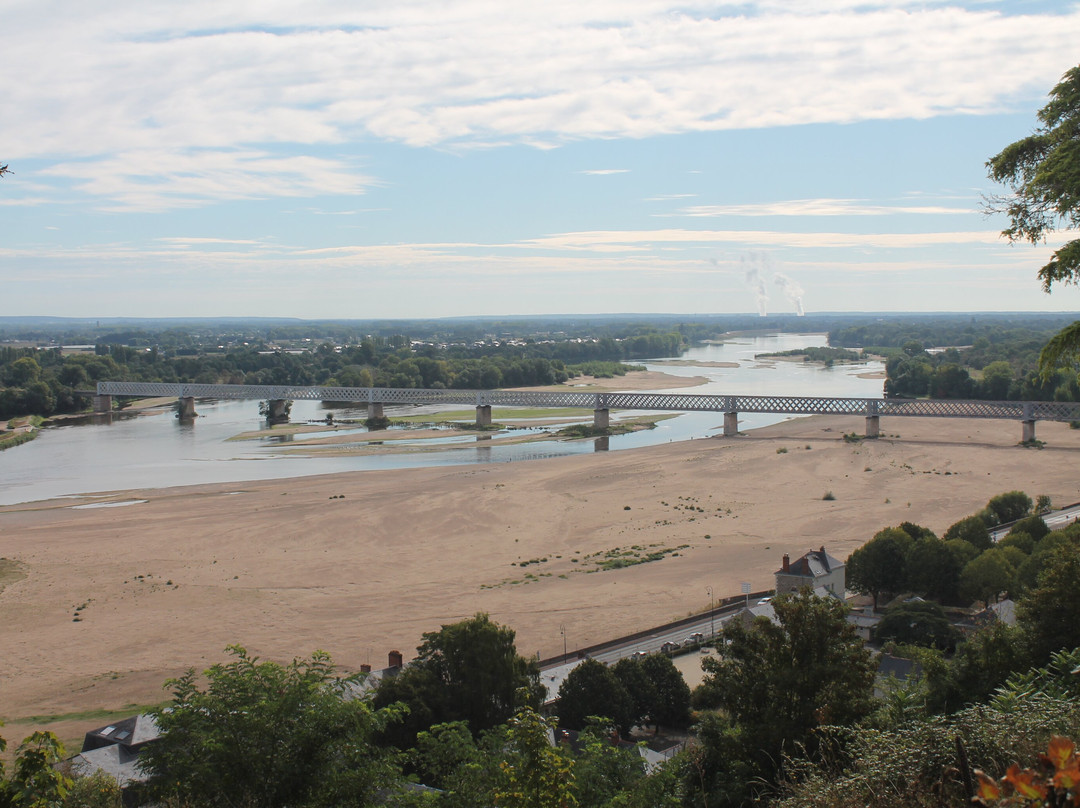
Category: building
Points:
column 816, row 569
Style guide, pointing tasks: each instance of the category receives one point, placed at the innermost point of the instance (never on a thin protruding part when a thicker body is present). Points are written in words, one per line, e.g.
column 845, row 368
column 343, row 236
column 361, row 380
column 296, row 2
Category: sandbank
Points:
column 361, row 563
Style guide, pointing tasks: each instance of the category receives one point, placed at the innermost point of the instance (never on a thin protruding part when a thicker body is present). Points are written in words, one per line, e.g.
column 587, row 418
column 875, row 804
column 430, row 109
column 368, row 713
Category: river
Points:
column 154, row 450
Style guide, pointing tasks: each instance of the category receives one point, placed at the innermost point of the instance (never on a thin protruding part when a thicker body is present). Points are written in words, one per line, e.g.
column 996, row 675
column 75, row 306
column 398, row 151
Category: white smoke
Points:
column 792, row 291
column 754, row 267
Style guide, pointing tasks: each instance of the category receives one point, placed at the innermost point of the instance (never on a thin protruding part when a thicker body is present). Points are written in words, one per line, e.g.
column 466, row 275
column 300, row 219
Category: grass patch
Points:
column 100, row 715
column 16, row 439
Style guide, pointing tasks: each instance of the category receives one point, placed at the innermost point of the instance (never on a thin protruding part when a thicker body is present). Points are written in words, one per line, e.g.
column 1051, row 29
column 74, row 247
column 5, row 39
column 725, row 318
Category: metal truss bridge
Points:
column 1027, row 412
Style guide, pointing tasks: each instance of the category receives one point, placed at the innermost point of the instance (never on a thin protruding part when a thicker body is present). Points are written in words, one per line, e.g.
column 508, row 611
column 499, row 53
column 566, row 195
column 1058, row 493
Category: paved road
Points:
column 1055, row 520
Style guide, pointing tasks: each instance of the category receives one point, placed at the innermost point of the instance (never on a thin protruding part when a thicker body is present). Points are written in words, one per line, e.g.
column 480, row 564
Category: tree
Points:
column 917, row 623
column 971, row 529
column 987, row 576
column 1042, row 172
column 779, row 681
column 1010, row 506
column 467, row 671
column 536, row 774
column 671, row 696
column 264, row 734
column 933, row 570
column 996, row 380
column 1050, row 613
column 592, row 689
column 878, row 566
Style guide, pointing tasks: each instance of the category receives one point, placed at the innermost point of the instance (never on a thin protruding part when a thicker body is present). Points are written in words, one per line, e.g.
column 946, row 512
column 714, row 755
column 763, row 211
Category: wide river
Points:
column 154, row 450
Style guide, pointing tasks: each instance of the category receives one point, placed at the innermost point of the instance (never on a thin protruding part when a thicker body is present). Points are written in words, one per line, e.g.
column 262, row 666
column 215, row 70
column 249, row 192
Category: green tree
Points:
column 23, row 371
column 467, row 671
column 779, row 681
column 878, row 566
column 537, row 775
column 971, row 529
column 670, row 704
column 917, row 623
column 592, row 689
column 264, row 734
column 639, row 686
column 986, row 577
column 996, row 379
column 1050, row 613
column 1042, row 172
column 1010, row 506
column 933, row 569
column 602, row 769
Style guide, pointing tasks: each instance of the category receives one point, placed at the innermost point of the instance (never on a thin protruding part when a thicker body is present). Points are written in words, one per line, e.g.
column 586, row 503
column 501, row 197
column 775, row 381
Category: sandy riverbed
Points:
column 357, row 564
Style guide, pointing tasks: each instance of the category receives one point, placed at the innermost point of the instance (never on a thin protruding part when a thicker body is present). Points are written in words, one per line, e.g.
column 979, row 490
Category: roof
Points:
column 119, row 762
column 897, row 667
column 815, row 564
column 131, row 732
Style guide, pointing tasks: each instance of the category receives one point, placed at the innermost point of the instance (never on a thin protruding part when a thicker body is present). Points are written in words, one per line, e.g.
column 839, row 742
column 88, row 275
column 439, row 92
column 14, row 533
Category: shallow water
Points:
column 154, row 450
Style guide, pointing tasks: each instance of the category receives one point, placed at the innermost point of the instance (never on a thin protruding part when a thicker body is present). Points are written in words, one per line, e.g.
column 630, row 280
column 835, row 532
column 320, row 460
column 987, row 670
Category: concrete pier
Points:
column 375, row 409
column 731, row 424
column 873, row 426
column 102, row 403
column 483, row 415
column 1029, row 431
column 601, row 419
column 185, row 408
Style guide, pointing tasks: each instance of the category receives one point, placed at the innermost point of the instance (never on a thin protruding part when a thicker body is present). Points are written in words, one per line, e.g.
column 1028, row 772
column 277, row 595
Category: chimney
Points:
column 365, row 668
column 395, row 659
column 787, row 563
column 823, row 549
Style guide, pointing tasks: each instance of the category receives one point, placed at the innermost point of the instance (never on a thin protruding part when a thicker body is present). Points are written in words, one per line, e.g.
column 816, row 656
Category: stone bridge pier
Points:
column 375, row 409
column 873, row 426
column 601, row 418
column 731, row 424
column 102, row 403
column 483, row 415
column 277, row 411
column 185, row 408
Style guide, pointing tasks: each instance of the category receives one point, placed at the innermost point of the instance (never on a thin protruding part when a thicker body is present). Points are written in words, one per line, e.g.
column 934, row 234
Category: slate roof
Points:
column 815, row 564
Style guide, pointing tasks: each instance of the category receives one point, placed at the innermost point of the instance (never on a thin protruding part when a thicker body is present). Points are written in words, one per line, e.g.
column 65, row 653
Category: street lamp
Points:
column 712, row 614
column 562, row 630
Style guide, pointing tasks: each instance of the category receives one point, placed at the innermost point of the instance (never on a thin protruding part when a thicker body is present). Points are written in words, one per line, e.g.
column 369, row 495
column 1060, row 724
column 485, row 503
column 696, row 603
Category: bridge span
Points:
column 872, row 409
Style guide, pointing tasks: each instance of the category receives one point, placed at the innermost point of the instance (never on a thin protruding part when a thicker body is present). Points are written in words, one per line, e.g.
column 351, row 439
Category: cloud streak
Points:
column 156, row 106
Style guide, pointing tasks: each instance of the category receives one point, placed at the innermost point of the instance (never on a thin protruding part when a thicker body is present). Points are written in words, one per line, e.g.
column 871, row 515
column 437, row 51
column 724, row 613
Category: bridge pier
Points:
column 102, row 403
column 1029, row 431
column 873, row 426
column 483, row 415
column 277, row 412
column 731, row 424
column 185, row 408
column 601, row 418
column 375, row 409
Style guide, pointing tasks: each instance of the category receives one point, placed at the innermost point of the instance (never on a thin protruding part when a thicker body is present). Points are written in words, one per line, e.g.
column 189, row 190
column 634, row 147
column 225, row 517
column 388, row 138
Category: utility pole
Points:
column 562, row 630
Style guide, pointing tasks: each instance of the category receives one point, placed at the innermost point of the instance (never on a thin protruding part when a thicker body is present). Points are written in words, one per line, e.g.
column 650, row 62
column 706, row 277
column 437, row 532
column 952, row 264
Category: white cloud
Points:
column 258, row 88
column 817, row 207
column 604, row 171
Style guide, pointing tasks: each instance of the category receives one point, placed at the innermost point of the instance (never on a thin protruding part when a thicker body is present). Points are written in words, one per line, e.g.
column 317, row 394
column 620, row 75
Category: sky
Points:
column 430, row 158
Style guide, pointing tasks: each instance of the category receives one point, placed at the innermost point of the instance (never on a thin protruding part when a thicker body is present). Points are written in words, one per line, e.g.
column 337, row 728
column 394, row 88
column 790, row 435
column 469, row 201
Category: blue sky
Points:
column 424, row 159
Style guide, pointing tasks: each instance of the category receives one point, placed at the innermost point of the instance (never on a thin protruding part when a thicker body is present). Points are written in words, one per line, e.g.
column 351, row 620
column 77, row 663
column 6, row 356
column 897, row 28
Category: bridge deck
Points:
column 681, row 402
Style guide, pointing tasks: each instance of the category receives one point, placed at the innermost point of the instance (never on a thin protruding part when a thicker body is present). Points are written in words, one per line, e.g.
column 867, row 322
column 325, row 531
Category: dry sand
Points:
column 357, row 564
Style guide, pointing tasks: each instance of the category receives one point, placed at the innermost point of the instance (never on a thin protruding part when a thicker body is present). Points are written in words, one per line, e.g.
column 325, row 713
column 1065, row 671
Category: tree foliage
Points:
column 466, row 671
column 878, row 566
column 1042, row 172
column 592, row 689
column 778, row 681
column 1050, row 613
column 265, row 734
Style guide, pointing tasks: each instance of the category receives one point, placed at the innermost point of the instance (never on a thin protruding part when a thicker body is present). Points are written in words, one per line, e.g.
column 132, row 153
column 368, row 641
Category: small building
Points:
column 114, row 749
column 816, row 569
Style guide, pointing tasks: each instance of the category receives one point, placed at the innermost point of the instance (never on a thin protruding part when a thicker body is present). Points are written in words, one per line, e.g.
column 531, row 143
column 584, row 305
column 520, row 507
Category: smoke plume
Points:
column 792, row 291
column 753, row 267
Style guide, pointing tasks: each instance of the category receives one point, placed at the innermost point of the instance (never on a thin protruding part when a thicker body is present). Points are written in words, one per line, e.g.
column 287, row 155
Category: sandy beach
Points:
column 102, row 605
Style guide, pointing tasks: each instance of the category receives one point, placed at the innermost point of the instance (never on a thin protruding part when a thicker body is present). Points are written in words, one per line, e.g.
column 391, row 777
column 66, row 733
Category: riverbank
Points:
column 112, row 601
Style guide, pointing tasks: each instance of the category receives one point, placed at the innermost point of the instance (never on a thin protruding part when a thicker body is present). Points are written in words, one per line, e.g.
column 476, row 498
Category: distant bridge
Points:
column 1027, row 412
